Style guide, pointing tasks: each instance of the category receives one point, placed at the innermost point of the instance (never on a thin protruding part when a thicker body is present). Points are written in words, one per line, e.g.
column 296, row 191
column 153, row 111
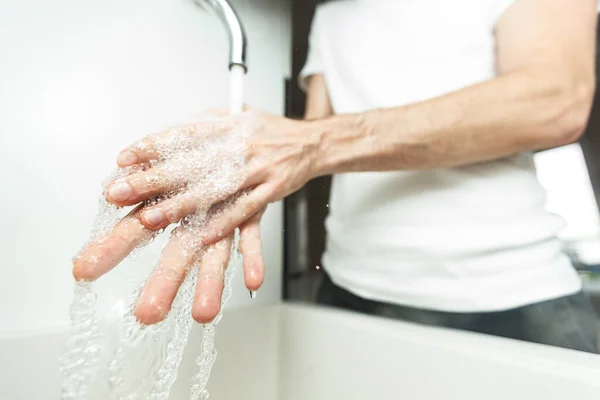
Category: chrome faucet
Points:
column 237, row 35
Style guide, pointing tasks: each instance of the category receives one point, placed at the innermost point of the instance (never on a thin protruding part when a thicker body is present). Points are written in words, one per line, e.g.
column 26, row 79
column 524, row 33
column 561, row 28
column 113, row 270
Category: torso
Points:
column 473, row 238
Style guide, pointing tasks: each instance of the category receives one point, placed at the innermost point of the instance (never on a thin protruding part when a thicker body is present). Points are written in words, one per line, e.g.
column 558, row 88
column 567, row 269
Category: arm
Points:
column 318, row 105
column 540, row 99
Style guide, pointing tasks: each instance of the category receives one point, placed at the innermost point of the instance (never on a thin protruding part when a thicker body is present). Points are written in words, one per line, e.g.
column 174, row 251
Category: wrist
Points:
column 339, row 140
column 317, row 133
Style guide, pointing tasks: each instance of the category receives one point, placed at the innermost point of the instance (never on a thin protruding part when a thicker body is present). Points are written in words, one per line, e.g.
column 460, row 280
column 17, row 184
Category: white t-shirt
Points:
column 564, row 174
column 466, row 239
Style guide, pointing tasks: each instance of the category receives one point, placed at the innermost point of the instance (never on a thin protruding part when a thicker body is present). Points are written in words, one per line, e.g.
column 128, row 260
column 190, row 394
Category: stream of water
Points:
column 209, row 354
column 128, row 361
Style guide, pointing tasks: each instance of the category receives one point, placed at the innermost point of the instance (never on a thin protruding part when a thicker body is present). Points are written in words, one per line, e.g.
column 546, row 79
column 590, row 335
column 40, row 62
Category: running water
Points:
column 79, row 363
column 209, row 353
column 236, row 89
column 128, row 361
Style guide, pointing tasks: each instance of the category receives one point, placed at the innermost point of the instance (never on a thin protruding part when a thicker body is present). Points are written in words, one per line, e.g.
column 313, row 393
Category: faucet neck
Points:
column 237, row 35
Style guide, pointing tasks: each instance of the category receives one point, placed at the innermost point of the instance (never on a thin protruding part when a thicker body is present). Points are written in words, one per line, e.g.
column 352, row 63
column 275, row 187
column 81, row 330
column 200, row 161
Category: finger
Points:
column 104, row 254
column 209, row 289
column 141, row 152
column 174, row 209
column 251, row 249
column 141, row 186
column 154, row 147
column 242, row 209
column 176, row 259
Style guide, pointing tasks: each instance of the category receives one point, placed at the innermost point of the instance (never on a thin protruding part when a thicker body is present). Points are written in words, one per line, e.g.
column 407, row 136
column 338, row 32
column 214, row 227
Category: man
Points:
column 427, row 112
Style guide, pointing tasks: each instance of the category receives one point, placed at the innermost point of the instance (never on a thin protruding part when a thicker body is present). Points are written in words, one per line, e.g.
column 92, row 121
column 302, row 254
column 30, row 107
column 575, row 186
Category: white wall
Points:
column 80, row 79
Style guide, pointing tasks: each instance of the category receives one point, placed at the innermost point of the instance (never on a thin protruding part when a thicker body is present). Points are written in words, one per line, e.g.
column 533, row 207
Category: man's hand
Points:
column 277, row 159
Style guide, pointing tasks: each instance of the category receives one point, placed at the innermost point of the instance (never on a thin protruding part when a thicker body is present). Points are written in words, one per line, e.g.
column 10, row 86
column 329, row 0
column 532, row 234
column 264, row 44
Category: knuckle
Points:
column 177, row 210
column 251, row 206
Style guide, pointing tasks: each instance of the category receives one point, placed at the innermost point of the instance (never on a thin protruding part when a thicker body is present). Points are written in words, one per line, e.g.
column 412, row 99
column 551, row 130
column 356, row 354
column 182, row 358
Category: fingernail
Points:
column 127, row 157
column 120, row 191
column 154, row 217
column 252, row 294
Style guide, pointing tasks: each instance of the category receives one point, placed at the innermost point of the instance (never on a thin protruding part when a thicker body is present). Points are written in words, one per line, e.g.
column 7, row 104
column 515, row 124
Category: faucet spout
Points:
column 235, row 30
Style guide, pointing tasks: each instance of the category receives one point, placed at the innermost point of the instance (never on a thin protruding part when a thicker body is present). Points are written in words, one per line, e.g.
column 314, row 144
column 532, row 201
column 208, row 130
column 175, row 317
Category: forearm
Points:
column 521, row 111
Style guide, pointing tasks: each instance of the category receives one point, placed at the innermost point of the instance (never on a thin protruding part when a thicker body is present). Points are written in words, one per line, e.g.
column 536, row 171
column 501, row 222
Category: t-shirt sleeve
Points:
column 314, row 59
